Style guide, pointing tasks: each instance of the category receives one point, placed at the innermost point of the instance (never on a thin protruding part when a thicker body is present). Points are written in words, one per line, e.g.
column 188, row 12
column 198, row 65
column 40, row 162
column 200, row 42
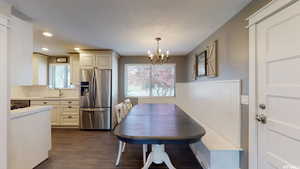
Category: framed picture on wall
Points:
column 211, row 60
column 201, row 62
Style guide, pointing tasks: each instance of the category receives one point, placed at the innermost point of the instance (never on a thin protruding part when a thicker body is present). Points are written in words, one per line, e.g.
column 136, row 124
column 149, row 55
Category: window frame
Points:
column 151, row 68
column 70, row 86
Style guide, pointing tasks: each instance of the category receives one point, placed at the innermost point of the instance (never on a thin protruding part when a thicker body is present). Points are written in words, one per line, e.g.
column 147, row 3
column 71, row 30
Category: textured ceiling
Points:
column 127, row 26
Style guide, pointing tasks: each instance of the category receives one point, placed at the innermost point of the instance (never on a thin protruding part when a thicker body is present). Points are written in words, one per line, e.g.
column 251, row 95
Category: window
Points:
column 59, row 76
column 149, row 80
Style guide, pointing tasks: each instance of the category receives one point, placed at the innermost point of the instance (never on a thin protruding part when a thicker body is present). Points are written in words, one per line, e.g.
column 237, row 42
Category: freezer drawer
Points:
column 95, row 119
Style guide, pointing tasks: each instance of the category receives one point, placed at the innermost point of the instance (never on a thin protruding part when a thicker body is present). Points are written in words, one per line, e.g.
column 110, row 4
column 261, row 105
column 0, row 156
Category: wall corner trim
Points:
column 268, row 10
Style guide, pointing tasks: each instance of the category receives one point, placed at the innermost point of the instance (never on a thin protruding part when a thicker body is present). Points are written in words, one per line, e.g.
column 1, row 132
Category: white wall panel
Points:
column 216, row 104
column 167, row 100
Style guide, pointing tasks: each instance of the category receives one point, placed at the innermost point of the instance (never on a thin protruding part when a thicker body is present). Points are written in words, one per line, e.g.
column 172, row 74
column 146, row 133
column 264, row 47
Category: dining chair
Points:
column 120, row 114
column 121, row 110
column 127, row 107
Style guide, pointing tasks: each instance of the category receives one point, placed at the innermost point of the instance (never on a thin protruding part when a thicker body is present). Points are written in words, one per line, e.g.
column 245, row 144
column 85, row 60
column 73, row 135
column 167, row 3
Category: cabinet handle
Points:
column 70, row 107
column 69, row 117
column 70, row 102
column 45, row 102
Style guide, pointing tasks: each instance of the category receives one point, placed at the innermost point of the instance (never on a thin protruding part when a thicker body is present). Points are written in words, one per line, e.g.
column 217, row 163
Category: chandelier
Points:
column 158, row 57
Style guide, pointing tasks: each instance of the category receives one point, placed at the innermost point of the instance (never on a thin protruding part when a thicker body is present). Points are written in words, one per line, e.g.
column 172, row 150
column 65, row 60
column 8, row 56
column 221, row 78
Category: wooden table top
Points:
column 158, row 124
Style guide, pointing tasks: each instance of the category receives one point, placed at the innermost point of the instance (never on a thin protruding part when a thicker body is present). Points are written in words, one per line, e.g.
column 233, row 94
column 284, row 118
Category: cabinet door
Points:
column 43, row 71
column 87, row 60
column 40, row 69
column 69, row 120
column 69, row 113
column 20, row 48
column 75, row 69
column 70, row 110
column 55, row 114
column 103, row 61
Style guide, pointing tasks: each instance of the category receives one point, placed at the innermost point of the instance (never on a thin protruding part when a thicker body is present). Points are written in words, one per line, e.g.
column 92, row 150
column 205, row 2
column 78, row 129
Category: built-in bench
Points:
column 216, row 105
column 214, row 152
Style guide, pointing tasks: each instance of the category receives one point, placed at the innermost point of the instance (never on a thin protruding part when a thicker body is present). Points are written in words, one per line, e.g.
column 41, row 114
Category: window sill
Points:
column 150, row 97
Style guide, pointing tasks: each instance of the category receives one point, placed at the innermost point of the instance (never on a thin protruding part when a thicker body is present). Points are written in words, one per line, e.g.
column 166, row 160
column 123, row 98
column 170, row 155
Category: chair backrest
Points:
column 127, row 105
column 120, row 113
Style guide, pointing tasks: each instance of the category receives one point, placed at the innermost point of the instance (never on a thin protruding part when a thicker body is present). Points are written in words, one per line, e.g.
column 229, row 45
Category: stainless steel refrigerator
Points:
column 95, row 99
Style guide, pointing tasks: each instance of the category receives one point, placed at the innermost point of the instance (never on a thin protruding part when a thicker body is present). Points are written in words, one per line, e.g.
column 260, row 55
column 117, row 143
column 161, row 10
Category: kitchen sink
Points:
column 53, row 97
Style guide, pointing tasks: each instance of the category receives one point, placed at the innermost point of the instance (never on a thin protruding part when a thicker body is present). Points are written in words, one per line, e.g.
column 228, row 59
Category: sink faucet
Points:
column 60, row 92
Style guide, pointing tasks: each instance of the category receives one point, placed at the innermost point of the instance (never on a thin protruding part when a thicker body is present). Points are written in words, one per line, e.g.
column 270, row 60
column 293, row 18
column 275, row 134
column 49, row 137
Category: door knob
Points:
column 262, row 106
column 261, row 118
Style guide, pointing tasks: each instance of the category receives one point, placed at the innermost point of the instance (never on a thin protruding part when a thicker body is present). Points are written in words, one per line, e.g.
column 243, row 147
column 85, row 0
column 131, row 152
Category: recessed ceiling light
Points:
column 45, row 49
column 47, row 34
column 77, row 49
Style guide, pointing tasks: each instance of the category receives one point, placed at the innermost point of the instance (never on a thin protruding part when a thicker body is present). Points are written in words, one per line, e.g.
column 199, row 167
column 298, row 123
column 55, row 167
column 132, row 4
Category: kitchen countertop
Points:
column 44, row 98
column 18, row 113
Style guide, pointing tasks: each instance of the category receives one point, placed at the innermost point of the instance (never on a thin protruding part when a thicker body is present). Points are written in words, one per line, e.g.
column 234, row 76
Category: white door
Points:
column 3, row 94
column 278, row 51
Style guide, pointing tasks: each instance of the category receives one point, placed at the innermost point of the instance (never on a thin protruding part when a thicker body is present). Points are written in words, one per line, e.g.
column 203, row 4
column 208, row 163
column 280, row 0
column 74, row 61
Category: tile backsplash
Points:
column 41, row 91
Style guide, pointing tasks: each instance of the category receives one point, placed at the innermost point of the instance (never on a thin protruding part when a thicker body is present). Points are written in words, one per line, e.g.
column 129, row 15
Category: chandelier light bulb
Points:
column 151, row 56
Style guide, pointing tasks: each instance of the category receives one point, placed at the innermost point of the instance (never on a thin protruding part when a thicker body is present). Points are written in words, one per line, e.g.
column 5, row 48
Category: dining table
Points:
column 158, row 125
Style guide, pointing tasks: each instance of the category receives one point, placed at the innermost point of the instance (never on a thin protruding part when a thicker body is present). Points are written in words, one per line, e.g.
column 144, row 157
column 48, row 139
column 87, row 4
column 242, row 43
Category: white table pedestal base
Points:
column 158, row 155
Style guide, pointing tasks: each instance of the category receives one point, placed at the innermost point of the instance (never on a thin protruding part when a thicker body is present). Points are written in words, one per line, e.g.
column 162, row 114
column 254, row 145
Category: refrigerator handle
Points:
column 92, row 87
column 95, row 87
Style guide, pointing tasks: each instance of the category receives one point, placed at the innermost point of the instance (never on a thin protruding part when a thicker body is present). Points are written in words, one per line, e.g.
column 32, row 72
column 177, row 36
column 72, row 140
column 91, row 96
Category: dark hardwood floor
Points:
column 75, row 149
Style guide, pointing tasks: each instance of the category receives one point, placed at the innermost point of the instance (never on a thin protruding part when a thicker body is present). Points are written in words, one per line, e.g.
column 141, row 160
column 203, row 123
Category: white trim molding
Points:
column 265, row 12
column 268, row 10
column 3, row 92
column 244, row 99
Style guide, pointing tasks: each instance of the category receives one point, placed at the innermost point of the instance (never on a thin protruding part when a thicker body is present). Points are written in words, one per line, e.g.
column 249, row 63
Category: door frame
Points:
column 4, row 93
column 270, row 9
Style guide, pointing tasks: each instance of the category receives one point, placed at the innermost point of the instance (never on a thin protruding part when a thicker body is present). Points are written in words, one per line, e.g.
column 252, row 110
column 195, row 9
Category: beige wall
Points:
column 5, row 8
column 233, row 42
column 232, row 47
column 180, row 62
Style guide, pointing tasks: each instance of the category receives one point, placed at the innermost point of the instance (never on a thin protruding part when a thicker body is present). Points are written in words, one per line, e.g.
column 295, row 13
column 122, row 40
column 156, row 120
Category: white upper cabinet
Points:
column 99, row 59
column 40, row 69
column 20, row 49
column 75, row 69
column 87, row 60
column 103, row 61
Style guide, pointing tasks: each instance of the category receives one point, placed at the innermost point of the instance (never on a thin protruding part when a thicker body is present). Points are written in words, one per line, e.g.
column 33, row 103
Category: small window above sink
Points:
column 59, row 76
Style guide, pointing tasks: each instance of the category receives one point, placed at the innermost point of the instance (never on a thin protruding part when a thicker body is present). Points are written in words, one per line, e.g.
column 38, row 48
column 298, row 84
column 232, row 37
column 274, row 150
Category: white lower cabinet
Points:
column 55, row 120
column 29, row 139
column 69, row 120
column 65, row 113
column 69, row 115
